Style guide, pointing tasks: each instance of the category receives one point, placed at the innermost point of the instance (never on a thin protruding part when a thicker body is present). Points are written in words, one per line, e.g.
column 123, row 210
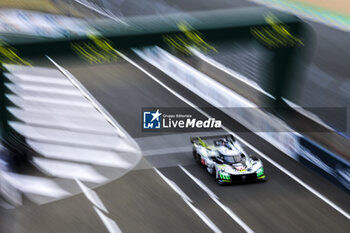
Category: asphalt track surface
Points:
column 141, row 201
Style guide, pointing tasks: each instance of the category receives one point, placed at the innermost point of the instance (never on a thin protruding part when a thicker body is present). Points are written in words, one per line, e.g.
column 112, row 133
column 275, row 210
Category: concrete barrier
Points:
column 324, row 162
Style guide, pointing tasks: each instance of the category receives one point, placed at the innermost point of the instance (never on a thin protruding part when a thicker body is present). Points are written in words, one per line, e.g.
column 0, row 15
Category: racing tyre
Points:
column 211, row 170
column 220, row 182
column 196, row 156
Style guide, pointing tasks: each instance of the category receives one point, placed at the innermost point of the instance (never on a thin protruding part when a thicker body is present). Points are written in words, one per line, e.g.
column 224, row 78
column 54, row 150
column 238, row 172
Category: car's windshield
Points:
column 233, row 159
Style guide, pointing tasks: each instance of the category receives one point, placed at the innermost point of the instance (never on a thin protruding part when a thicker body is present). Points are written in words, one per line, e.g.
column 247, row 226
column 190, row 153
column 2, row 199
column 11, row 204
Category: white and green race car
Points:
column 225, row 159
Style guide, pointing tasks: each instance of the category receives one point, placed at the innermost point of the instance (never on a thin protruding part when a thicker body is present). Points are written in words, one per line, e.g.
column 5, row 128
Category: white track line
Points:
column 216, row 200
column 69, row 170
column 88, row 96
column 316, row 193
column 110, row 224
column 92, row 196
column 101, row 11
column 99, row 208
column 34, row 185
column 188, row 201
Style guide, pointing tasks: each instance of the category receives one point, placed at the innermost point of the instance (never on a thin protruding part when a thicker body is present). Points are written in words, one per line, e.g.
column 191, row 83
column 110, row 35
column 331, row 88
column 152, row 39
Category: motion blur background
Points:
column 87, row 166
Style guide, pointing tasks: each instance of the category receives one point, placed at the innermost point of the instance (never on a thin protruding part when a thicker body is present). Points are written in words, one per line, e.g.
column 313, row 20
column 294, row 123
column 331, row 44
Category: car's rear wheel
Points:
column 196, row 156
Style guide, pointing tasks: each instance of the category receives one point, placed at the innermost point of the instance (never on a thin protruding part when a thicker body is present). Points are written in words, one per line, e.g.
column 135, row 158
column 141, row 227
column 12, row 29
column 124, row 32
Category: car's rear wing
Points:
column 199, row 140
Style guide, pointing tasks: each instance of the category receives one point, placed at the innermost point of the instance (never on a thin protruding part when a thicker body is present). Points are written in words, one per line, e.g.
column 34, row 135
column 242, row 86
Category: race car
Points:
column 225, row 159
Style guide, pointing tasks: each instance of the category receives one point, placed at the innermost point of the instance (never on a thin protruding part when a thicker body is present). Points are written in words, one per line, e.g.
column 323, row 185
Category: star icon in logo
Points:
column 156, row 115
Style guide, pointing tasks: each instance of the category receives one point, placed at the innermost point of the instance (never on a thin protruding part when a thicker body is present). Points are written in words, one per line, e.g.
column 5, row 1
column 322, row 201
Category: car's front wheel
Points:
column 220, row 181
column 211, row 170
